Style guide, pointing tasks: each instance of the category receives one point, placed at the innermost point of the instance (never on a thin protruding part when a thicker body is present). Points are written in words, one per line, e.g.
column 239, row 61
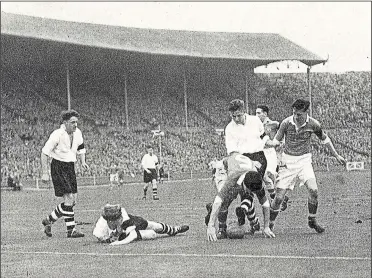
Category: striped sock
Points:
column 56, row 213
column 154, row 192
column 167, row 229
column 248, row 206
column 68, row 215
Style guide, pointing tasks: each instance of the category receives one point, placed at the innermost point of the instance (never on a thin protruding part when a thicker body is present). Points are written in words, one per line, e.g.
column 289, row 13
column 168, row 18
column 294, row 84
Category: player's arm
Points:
column 102, row 232
column 211, row 229
column 278, row 136
column 131, row 234
column 81, row 151
column 325, row 140
column 143, row 165
column 230, row 141
column 45, row 153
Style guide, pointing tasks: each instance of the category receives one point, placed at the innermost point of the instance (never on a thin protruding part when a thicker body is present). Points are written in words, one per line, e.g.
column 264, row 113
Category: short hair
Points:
column 235, row 105
column 68, row 114
column 301, row 104
column 148, row 147
column 264, row 108
column 111, row 212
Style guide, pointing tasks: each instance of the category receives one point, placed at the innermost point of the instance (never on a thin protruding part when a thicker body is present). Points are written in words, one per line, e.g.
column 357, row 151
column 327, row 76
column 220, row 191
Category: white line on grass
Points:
column 190, row 255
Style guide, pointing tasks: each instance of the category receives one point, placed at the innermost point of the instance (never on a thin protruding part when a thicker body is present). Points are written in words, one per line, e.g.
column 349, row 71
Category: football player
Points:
column 117, row 227
column 249, row 181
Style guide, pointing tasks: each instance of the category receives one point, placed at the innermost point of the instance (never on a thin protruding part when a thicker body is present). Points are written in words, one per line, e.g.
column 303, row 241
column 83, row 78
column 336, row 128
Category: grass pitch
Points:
column 344, row 250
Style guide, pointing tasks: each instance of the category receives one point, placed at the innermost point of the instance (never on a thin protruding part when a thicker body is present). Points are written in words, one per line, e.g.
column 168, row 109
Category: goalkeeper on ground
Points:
column 117, row 227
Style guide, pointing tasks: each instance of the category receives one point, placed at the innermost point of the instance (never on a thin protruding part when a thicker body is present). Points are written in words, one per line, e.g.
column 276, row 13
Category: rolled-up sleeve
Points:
column 231, row 144
column 51, row 143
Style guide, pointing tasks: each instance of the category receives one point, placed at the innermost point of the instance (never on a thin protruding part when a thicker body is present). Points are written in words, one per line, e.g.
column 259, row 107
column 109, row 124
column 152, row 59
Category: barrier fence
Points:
column 91, row 181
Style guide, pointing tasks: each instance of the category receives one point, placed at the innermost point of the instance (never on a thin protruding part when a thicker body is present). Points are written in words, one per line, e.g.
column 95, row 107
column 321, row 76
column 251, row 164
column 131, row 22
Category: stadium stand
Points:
column 30, row 107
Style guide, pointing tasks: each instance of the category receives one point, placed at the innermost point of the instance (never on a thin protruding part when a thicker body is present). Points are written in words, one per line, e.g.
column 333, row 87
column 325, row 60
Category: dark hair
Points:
column 236, row 105
column 264, row 108
column 148, row 147
column 66, row 115
column 301, row 104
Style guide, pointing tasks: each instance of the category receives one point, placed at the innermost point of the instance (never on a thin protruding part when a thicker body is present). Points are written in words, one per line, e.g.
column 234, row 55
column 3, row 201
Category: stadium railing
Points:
column 97, row 181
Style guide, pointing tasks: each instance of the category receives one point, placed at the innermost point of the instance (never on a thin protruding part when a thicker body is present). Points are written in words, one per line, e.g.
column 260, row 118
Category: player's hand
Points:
column 44, row 177
column 85, row 166
column 115, row 243
column 268, row 233
column 341, row 160
column 148, row 171
column 211, row 233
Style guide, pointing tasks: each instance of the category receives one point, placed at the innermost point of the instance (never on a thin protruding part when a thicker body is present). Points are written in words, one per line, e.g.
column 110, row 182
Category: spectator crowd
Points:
column 31, row 103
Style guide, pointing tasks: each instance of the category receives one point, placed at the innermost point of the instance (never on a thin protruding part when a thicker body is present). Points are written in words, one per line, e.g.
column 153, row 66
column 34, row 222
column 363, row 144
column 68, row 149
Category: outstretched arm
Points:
column 128, row 239
column 211, row 229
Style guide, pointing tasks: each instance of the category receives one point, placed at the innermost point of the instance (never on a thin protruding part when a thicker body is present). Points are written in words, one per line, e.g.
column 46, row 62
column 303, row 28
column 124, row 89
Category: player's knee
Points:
column 313, row 193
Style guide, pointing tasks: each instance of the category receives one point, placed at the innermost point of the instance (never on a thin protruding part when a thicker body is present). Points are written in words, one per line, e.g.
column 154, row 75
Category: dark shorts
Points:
column 148, row 177
column 139, row 222
column 261, row 158
column 63, row 177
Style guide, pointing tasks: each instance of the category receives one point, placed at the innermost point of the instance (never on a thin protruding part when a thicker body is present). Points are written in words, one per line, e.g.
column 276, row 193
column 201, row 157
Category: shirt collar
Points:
column 291, row 120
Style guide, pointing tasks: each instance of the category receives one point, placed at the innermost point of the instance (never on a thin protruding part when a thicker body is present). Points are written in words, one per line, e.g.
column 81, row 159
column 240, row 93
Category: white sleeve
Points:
column 230, row 141
column 101, row 230
column 51, row 143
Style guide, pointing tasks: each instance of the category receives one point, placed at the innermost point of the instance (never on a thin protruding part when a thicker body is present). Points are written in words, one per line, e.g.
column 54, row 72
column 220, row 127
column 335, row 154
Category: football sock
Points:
column 144, row 191
column 69, row 217
column 313, row 207
column 56, row 213
column 273, row 214
column 248, row 207
column 222, row 226
column 154, row 192
column 167, row 229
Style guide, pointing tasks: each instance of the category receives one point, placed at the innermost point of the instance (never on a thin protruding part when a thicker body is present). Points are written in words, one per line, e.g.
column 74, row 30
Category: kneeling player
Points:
column 117, row 227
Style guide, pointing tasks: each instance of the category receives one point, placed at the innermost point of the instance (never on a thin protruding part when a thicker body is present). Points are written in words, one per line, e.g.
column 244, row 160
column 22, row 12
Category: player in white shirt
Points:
column 243, row 135
column 149, row 163
column 63, row 146
column 271, row 127
column 117, row 227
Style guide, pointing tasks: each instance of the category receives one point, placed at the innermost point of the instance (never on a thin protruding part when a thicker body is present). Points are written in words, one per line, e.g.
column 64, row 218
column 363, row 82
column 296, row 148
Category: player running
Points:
column 297, row 169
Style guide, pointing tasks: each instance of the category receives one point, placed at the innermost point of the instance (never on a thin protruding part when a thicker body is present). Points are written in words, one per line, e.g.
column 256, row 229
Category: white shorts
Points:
column 272, row 163
column 296, row 170
column 272, row 160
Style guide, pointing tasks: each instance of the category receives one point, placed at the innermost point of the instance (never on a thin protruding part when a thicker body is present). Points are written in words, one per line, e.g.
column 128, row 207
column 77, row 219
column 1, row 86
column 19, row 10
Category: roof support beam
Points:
column 185, row 95
column 309, row 90
column 68, row 86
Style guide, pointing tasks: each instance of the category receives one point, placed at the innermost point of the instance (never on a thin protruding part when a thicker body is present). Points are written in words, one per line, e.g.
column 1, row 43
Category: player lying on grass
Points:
column 117, row 227
column 250, row 181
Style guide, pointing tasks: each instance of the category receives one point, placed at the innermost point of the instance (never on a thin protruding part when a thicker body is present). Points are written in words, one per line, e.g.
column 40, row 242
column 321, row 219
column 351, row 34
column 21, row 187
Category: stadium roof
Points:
column 256, row 48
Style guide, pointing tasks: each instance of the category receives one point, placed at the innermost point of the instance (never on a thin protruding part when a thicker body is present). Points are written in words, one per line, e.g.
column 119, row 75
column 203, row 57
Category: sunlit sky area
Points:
column 338, row 30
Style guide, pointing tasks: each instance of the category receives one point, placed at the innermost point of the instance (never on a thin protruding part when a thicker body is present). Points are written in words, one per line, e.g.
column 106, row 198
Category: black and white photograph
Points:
column 186, row 139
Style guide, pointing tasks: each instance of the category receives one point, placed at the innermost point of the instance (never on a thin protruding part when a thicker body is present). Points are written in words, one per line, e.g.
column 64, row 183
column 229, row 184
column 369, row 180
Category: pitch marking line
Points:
column 192, row 255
